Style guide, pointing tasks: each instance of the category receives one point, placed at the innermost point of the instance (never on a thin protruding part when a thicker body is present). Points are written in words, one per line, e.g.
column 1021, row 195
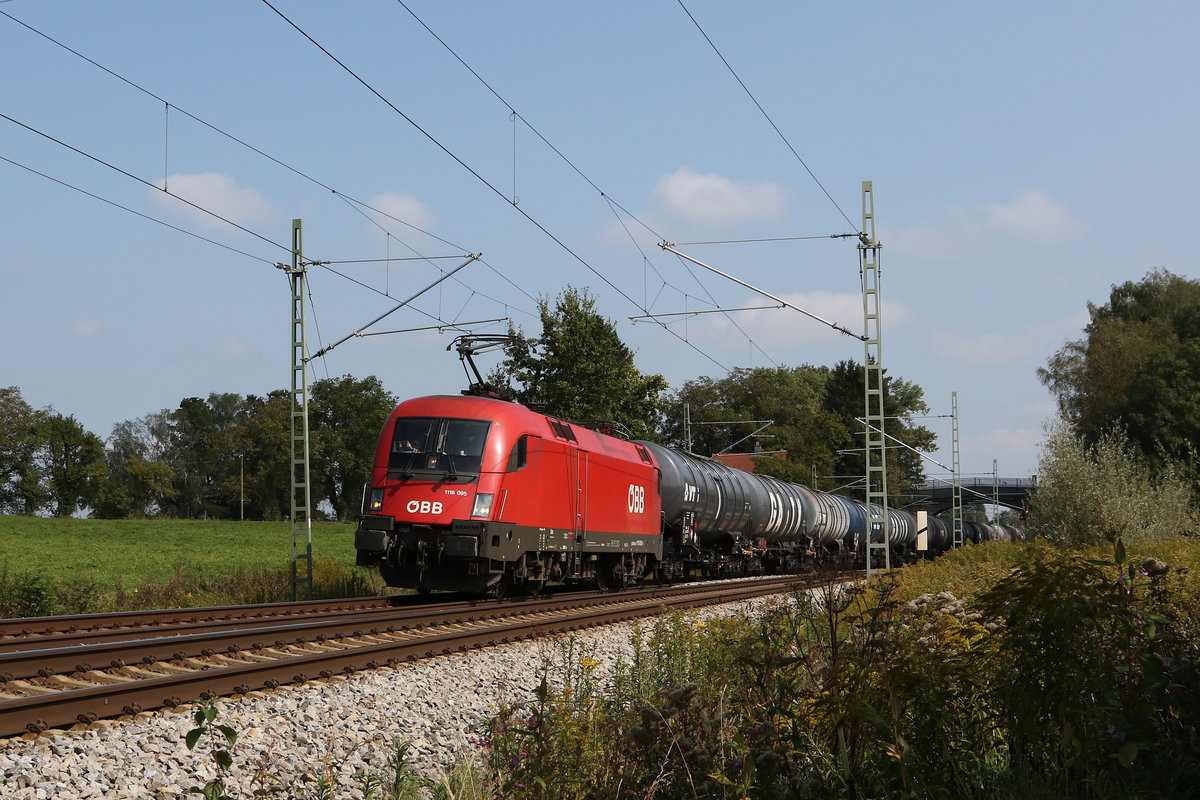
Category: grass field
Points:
column 135, row 552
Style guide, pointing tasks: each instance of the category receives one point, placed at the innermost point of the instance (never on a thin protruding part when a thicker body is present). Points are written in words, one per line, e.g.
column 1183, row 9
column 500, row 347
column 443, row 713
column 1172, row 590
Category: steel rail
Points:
column 33, row 626
column 86, row 704
column 177, row 630
column 28, row 659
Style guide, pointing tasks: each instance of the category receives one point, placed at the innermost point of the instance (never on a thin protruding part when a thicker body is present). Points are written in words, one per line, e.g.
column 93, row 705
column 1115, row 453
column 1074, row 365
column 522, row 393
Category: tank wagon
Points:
column 478, row 494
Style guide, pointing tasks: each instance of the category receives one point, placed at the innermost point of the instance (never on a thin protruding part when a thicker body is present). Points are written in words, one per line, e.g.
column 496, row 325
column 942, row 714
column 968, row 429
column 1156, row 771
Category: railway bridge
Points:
column 938, row 495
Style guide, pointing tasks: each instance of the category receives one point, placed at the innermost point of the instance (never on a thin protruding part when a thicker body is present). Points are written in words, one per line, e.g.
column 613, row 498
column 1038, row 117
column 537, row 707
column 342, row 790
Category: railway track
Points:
column 105, row 673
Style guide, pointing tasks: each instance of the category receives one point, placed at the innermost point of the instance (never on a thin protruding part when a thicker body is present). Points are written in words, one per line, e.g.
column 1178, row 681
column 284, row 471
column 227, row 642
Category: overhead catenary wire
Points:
column 354, row 203
column 516, row 115
column 774, row 239
column 763, row 111
column 135, row 212
column 739, row 282
column 458, row 326
column 359, row 205
column 704, row 311
column 473, row 172
column 157, row 188
column 437, row 143
column 402, row 304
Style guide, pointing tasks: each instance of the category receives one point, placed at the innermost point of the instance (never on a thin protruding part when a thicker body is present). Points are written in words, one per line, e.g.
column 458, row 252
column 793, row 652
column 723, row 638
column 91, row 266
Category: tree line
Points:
column 1134, row 375
column 227, row 456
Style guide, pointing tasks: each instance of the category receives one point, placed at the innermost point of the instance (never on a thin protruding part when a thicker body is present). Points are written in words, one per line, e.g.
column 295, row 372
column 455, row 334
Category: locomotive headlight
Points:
column 376, row 503
column 483, row 506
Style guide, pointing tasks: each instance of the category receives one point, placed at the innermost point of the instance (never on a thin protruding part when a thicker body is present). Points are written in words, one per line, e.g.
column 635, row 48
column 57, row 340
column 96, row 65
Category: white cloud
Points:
column 86, row 329
column 402, row 206
column 1023, row 440
column 626, row 232
column 1008, row 347
column 1032, row 217
column 20, row 268
column 232, row 350
column 715, row 202
column 213, row 192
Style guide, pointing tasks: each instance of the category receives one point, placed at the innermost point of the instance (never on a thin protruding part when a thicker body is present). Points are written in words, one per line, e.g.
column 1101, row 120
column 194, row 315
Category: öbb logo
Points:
column 423, row 507
column 637, row 499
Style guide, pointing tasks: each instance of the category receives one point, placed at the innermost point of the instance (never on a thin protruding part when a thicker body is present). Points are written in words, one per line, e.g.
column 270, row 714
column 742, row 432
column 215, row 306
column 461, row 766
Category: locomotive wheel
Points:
column 500, row 588
column 534, row 588
column 606, row 578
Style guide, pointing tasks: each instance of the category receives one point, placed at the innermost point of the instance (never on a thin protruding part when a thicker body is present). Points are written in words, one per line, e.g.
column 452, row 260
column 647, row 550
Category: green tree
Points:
column 346, row 415
column 22, row 490
column 802, row 433
column 139, row 482
column 262, row 449
column 1137, row 368
column 902, row 401
column 579, row 368
column 813, row 410
column 134, row 488
column 72, row 461
column 196, row 441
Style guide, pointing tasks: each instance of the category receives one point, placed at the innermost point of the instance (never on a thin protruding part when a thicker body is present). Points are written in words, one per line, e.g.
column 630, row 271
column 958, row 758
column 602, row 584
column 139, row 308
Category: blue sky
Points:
column 1024, row 156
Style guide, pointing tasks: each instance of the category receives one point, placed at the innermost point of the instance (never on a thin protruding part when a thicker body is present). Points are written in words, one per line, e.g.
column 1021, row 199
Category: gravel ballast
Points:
column 339, row 729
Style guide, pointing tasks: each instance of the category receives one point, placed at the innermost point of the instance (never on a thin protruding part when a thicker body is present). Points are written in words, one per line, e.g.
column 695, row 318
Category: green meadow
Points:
column 83, row 565
column 135, row 552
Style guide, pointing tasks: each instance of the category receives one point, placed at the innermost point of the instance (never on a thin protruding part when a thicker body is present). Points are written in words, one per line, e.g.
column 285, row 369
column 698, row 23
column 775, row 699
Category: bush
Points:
column 25, row 594
column 1106, row 493
column 1067, row 675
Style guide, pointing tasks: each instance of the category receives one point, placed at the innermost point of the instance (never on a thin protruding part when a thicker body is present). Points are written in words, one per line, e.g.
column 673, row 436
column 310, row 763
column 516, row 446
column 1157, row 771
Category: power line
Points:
column 437, row 143
column 608, row 199
column 584, row 262
column 775, row 239
column 834, row 325
column 127, row 174
column 136, row 213
column 354, row 203
column 767, row 116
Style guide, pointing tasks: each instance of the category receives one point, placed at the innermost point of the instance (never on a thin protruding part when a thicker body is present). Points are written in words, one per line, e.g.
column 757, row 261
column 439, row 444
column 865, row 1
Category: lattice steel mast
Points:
column 875, row 452
column 957, row 531
column 301, row 493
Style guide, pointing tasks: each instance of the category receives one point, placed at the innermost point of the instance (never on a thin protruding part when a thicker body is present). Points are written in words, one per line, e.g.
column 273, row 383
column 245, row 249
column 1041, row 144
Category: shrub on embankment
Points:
column 1042, row 672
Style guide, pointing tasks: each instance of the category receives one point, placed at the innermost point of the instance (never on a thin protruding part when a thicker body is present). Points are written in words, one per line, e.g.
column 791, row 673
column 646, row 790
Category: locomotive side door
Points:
column 581, row 494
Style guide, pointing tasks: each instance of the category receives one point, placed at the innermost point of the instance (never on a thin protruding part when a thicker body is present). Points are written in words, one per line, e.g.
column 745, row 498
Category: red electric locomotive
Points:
column 477, row 494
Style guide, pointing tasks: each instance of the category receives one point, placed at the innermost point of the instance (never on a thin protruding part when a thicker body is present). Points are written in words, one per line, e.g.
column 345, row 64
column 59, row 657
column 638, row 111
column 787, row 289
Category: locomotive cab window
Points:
column 428, row 444
column 519, row 457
